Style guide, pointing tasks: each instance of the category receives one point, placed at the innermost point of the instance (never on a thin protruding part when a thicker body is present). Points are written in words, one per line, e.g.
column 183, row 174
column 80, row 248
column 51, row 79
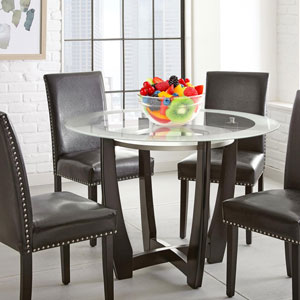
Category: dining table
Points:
column 210, row 129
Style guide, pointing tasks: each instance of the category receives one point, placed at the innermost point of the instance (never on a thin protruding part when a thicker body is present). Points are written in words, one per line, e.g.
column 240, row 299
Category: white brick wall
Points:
column 22, row 96
column 287, row 49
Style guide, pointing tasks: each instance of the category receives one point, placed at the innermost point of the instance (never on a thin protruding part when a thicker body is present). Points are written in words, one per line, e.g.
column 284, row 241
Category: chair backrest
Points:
column 292, row 164
column 15, row 201
column 239, row 91
column 70, row 94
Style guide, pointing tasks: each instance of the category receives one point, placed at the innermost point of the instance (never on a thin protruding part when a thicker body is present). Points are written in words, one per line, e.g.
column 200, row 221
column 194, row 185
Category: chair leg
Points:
column 296, row 271
column 57, row 183
column 26, row 277
column 107, row 259
column 92, row 194
column 184, row 197
column 288, row 258
column 232, row 249
column 248, row 190
column 65, row 264
column 261, row 183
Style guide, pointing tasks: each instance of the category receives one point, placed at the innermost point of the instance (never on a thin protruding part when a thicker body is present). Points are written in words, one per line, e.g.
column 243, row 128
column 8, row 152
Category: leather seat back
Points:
column 69, row 95
column 15, row 201
column 292, row 164
column 239, row 91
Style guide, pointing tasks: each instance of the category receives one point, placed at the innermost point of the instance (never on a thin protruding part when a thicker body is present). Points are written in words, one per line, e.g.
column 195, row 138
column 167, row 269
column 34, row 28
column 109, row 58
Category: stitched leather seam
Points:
column 74, row 241
column 17, row 162
column 262, row 232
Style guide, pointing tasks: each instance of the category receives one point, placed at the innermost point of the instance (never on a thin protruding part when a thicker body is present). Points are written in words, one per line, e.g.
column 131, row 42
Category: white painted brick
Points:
column 21, row 66
column 29, row 148
column 15, row 118
column 4, row 66
column 34, row 76
column 44, row 127
column 36, row 158
column 10, row 77
column 34, row 97
column 22, row 87
column 4, row 108
column 45, row 167
column 45, row 148
column 49, row 66
column 31, row 168
column 36, row 117
column 32, row 138
column 21, row 108
column 10, row 98
column 26, row 128
column 3, row 87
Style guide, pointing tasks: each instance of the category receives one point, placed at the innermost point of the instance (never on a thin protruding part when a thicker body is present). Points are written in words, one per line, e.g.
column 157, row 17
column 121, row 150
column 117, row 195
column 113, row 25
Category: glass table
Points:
column 211, row 129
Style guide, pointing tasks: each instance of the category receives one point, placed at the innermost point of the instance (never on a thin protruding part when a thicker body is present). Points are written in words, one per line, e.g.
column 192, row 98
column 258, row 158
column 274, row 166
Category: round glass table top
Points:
column 130, row 126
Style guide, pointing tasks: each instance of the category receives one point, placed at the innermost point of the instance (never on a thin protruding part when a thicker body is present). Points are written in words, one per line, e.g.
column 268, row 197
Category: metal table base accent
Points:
column 189, row 259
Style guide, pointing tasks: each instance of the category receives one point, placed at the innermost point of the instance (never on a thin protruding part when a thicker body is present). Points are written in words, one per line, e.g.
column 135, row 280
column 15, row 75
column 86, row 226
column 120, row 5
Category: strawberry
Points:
column 170, row 90
column 144, row 91
column 199, row 89
column 181, row 81
column 189, row 92
column 157, row 80
column 162, row 86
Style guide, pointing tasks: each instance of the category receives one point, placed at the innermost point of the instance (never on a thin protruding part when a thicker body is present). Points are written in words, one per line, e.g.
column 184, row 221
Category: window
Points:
column 128, row 40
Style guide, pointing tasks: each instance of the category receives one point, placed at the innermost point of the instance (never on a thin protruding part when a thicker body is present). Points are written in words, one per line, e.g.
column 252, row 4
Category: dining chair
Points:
column 30, row 224
column 275, row 213
column 235, row 91
column 76, row 156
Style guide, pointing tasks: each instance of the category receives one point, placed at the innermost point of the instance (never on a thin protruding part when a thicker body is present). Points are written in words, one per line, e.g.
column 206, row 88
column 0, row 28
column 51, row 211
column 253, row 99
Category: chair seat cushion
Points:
column 63, row 216
column 250, row 166
column 275, row 212
column 84, row 166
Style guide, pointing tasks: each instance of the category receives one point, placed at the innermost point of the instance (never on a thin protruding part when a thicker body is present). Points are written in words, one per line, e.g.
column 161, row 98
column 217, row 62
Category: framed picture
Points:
column 23, row 29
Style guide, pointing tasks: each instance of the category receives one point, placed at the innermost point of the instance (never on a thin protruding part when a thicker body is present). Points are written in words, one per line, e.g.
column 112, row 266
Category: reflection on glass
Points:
column 138, row 63
column 108, row 60
column 77, row 56
column 167, row 58
column 114, row 101
column 167, row 18
column 107, row 19
column 138, row 18
column 77, row 16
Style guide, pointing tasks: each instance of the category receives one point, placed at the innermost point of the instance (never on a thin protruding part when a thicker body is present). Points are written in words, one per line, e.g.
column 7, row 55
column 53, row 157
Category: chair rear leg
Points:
column 184, row 197
column 248, row 190
column 296, row 271
column 65, row 264
column 92, row 194
column 288, row 258
column 107, row 259
column 261, row 183
column 232, row 248
column 57, row 183
column 26, row 276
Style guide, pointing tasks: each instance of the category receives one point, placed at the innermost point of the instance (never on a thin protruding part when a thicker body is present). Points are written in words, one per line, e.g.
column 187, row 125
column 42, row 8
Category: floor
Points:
column 261, row 268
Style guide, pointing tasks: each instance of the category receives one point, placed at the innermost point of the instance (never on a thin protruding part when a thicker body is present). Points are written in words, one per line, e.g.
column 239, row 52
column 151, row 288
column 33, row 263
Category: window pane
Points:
column 167, row 58
column 167, row 18
column 131, row 102
column 107, row 19
column 138, row 63
column 108, row 59
column 77, row 56
column 77, row 19
column 138, row 18
column 114, row 101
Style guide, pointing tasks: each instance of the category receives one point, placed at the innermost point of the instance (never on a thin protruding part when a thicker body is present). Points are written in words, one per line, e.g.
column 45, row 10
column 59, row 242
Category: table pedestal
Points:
column 189, row 259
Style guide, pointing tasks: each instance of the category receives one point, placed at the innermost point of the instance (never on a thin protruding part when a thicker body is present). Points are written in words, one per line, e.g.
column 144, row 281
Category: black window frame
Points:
column 123, row 39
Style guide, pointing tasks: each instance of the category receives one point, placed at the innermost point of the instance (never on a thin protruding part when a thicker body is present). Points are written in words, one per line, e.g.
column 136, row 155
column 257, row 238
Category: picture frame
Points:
column 23, row 44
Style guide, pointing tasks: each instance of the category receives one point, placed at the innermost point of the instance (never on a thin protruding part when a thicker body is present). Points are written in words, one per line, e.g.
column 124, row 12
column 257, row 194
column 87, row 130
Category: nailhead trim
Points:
column 263, row 232
column 74, row 241
column 17, row 160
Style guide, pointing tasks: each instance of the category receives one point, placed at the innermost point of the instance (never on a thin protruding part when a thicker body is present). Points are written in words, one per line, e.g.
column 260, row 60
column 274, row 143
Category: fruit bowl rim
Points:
column 177, row 97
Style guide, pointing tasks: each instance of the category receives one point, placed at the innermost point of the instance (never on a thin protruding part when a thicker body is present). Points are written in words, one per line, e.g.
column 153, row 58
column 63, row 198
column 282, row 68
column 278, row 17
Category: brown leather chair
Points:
column 236, row 91
column 77, row 156
column 274, row 213
column 30, row 224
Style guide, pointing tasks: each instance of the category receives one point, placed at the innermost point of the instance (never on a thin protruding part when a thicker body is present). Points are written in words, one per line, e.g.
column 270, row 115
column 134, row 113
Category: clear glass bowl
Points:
column 170, row 111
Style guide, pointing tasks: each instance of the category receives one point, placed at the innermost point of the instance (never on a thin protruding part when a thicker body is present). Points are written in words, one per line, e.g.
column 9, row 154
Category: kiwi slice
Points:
column 180, row 110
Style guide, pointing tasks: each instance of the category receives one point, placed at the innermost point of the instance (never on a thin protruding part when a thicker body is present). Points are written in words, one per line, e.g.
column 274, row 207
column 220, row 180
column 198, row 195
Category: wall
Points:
column 287, row 49
column 22, row 96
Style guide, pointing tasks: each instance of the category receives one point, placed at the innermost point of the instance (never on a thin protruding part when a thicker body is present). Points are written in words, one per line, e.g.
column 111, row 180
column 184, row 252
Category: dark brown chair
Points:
column 30, row 224
column 236, row 91
column 77, row 156
column 274, row 213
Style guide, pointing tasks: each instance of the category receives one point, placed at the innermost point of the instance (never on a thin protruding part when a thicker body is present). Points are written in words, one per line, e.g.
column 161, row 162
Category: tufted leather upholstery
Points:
column 236, row 91
column 250, row 165
column 25, row 222
column 75, row 155
column 275, row 212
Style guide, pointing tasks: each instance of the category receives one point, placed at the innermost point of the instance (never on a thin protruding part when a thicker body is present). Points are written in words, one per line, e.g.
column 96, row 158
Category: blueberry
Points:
column 155, row 94
column 175, row 95
column 167, row 101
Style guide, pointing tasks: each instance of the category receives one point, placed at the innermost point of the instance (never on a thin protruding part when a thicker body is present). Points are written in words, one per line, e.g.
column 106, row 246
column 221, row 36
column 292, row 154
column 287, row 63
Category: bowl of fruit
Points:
column 170, row 102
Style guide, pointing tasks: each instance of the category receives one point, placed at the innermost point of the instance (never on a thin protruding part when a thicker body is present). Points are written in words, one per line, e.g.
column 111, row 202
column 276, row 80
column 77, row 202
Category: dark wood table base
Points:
column 189, row 259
